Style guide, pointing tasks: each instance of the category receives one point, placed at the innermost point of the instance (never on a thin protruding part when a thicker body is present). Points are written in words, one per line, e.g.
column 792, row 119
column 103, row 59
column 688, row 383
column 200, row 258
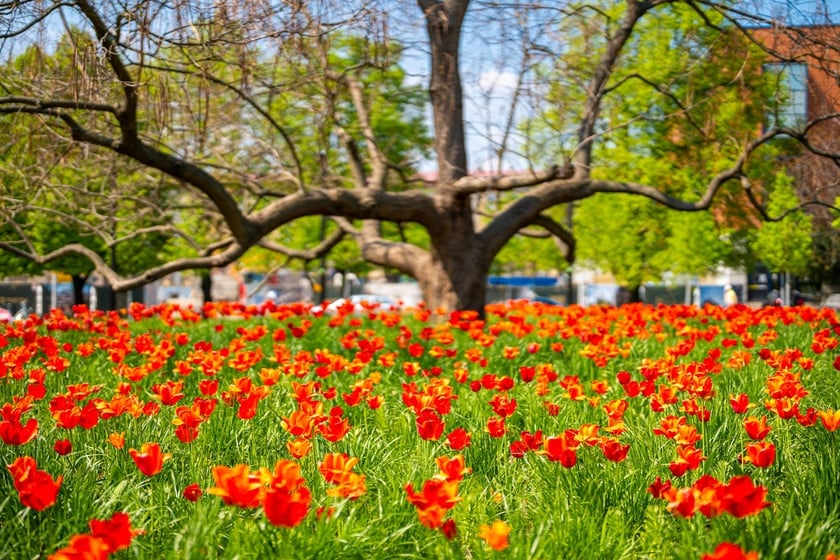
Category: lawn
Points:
column 638, row 432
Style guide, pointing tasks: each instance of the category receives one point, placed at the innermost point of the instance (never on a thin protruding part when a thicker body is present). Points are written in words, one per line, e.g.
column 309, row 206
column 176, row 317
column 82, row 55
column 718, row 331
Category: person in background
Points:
column 774, row 298
column 729, row 295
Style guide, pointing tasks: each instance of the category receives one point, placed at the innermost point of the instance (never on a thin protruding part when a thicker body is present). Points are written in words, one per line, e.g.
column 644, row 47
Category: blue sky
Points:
column 796, row 11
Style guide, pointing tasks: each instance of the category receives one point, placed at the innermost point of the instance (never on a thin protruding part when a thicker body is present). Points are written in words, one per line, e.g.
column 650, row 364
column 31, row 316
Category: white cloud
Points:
column 494, row 81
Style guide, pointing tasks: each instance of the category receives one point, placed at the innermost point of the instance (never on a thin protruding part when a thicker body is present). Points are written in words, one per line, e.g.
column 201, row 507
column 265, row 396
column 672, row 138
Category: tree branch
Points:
column 522, row 211
column 597, row 87
column 408, row 259
column 16, row 104
column 762, row 208
column 407, row 206
column 472, row 185
column 566, row 241
column 316, row 252
column 120, row 283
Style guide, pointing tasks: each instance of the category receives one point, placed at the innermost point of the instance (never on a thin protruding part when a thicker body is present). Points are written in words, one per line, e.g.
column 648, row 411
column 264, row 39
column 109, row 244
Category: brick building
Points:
column 807, row 62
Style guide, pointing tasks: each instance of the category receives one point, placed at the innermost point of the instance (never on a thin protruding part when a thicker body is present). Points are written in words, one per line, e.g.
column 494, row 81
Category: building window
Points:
column 790, row 107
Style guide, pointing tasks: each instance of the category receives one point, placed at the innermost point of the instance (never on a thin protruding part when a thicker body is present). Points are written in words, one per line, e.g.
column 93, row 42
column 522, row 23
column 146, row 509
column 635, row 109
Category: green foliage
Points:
column 533, row 254
column 529, row 255
column 683, row 101
column 623, row 235
column 785, row 245
column 696, row 243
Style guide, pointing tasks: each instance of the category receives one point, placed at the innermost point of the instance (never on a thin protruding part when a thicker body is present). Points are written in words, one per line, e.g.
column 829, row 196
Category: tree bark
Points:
column 455, row 276
column 634, row 294
column 443, row 24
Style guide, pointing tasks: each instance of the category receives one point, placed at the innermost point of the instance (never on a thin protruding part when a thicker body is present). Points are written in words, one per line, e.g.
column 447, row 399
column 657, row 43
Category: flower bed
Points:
column 540, row 432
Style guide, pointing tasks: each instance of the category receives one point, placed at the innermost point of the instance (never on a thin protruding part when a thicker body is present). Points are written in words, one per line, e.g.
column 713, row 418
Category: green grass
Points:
column 596, row 509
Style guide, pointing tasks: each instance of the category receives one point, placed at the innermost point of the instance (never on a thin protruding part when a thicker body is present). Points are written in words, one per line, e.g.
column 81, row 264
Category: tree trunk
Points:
column 634, row 294
column 443, row 24
column 449, row 283
column 78, row 288
column 207, row 287
column 455, row 274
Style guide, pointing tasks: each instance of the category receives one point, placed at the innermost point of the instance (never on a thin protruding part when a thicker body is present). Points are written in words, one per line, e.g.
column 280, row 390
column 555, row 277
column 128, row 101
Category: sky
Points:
column 796, row 11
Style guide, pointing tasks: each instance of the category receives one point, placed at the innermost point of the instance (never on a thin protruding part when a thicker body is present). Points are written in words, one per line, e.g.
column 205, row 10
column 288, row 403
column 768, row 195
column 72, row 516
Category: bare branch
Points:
column 762, row 208
column 119, row 283
column 261, row 111
column 733, row 172
column 404, row 257
column 566, row 241
column 306, row 254
column 17, row 104
column 472, row 184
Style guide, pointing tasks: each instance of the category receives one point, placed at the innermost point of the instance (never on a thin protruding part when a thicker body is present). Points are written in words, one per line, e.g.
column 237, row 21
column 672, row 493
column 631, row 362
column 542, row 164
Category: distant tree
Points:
column 673, row 128
column 784, row 244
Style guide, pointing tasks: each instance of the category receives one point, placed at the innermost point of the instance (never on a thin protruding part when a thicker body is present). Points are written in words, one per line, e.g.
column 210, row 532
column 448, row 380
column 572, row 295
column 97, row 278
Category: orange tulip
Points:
column 830, row 419
column 299, row 448
column 335, row 466
column 454, row 468
column 757, row 429
column 495, row 535
column 117, row 439
column 149, row 459
column 237, row 486
column 762, row 454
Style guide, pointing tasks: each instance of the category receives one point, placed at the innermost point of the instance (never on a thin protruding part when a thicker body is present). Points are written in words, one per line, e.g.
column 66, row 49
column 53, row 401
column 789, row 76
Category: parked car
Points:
column 181, row 296
column 542, row 300
column 357, row 304
column 831, row 302
column 545, row 300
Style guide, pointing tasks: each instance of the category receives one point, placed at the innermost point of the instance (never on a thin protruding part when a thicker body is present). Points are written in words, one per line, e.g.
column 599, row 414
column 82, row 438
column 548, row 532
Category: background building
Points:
column 807, row 62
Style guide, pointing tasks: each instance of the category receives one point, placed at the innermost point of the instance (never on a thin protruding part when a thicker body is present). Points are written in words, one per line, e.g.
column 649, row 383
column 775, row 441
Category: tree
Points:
column 59, row 195
column 265, row 72
column 673, row 128
column 784, row 244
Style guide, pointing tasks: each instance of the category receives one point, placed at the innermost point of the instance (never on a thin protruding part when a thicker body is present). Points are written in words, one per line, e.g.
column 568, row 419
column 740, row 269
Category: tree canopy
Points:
column 785, row 244
column 248, row 116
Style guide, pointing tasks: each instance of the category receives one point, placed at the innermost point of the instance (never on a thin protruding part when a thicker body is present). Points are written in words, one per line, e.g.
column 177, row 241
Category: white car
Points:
column 832, row 302
column 361, row 303
column 182, row 296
